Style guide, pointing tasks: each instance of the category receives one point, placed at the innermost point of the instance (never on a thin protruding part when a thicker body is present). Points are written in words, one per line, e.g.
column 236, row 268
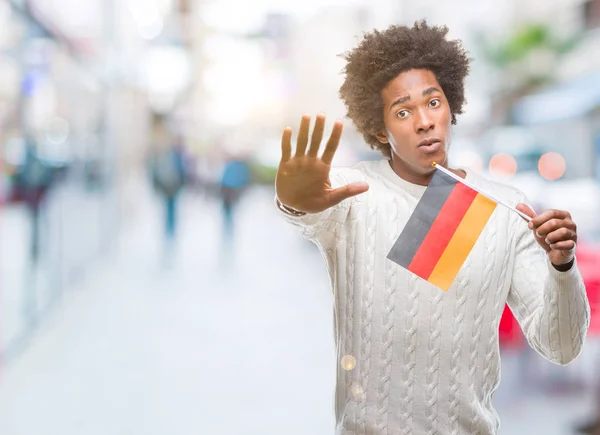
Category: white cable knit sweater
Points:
column 413, row 359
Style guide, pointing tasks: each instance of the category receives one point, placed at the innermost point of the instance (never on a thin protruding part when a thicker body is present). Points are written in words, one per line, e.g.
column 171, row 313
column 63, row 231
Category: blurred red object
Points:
column 510, row 331
column 588, row 261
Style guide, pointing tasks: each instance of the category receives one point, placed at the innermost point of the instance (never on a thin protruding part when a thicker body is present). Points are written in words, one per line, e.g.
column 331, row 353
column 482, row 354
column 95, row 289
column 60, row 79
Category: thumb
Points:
column 345, row 192
column 523, row 208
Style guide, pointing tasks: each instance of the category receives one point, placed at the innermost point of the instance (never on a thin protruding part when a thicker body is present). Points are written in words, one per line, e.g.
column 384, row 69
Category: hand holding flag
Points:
column 555, row 232
column 449, row 219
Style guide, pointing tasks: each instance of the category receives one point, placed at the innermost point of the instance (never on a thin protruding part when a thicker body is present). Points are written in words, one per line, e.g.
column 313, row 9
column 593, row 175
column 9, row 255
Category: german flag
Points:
column 442, row 230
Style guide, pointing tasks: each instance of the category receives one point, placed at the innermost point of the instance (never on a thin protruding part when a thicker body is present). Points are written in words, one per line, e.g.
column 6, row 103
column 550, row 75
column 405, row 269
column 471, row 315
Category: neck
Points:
column 420, row 178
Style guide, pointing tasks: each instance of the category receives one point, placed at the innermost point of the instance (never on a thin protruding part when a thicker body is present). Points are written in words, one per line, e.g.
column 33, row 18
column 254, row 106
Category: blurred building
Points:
column 79, row 85
column 563, row 116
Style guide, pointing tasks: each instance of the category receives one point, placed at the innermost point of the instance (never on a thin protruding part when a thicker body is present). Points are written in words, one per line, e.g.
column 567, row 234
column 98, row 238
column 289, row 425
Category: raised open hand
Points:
column 302, row 181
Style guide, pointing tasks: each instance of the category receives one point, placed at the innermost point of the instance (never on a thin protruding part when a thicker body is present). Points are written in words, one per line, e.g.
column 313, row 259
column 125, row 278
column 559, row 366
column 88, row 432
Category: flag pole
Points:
column 456, row 177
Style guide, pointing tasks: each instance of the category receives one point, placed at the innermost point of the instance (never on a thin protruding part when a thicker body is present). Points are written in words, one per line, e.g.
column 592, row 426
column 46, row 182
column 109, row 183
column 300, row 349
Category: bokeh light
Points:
column 552, row 166
column 348, row 362
column 503, row 165
column 471, row 160
column 357, row 391
column 57, row 130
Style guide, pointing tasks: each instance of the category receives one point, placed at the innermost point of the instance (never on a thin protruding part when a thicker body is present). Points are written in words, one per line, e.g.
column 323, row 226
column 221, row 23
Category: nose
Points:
column 424, row 122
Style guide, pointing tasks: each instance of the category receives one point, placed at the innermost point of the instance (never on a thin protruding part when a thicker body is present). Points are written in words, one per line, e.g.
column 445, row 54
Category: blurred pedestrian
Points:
column 169, row 174
column 32, row 181
column 234, row 182
column 413, row 358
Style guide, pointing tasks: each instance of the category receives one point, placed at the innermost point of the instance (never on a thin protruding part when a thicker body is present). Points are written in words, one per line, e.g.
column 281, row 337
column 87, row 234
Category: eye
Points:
column 435, row 102
column 402, row 114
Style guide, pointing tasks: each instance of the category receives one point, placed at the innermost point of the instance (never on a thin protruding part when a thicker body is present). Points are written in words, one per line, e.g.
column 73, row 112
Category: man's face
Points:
column 417, row 121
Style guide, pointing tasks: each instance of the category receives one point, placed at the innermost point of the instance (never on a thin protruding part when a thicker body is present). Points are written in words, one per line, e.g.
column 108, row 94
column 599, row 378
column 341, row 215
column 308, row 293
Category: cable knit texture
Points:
column 413, row 359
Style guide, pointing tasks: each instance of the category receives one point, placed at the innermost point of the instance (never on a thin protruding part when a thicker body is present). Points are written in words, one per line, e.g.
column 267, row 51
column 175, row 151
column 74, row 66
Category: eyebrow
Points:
column 406, row 98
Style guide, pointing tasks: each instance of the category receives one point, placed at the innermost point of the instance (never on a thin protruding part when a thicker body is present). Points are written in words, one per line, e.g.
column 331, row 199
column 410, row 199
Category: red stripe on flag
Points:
column 442, row 230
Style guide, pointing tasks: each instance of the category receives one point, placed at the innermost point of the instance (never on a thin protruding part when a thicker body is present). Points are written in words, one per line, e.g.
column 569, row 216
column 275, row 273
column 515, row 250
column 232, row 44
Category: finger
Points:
column 345, row 192
column 565, row 245
column 317, row 136
column 547, row 215
column 548, row 227
column 559, row 235
column 525, row 209
column 553, row 225
column 333, row 142
column 303, row 135
column 286, row 144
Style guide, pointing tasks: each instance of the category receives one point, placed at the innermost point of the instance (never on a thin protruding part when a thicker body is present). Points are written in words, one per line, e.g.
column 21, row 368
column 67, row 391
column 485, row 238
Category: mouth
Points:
column 430, row 145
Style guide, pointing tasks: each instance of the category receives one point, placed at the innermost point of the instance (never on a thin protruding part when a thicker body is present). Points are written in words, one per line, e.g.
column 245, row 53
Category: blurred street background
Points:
column 148, row 285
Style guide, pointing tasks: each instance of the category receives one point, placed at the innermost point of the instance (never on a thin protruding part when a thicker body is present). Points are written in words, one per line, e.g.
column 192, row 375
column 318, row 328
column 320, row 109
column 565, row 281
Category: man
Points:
column 413, row 359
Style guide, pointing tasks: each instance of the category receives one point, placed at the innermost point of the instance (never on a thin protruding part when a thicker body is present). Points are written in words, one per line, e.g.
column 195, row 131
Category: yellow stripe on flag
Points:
column 462, row 242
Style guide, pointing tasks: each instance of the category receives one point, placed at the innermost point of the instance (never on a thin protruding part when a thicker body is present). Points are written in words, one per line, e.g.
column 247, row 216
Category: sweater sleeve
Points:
column 325, row 227
column 551, row 306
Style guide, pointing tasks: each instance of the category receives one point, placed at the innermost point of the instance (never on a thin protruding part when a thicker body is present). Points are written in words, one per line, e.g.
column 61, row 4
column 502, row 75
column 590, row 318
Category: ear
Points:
column 382, row 137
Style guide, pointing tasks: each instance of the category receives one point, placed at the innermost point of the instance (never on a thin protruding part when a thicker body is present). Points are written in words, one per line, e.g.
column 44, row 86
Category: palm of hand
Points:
column 302, row 181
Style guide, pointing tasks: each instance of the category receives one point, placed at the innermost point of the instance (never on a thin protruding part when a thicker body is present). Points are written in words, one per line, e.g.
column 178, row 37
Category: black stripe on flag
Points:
column 419, row 223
